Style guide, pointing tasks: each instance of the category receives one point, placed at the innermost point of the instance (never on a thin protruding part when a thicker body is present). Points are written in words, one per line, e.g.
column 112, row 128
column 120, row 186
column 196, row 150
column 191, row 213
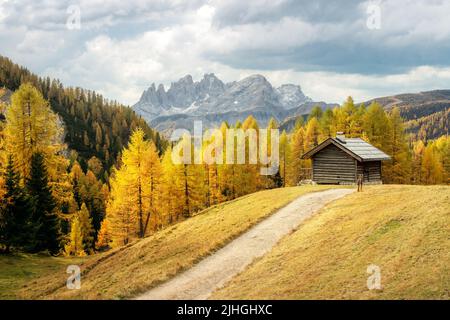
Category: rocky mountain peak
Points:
column 210, row 96
column 291, row 95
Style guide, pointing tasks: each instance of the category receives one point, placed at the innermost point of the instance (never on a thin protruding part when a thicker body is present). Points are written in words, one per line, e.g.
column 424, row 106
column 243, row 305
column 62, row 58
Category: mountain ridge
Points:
column 211, row 98
column 426, row 113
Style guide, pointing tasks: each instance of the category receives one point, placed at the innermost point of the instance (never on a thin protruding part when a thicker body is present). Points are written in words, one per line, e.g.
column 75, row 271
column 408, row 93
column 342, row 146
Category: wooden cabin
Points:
column 341, row 160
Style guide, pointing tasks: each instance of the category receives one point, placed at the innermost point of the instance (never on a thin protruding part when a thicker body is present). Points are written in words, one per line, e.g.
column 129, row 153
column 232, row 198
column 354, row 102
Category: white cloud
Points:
column 123, row 47
column 335, row 87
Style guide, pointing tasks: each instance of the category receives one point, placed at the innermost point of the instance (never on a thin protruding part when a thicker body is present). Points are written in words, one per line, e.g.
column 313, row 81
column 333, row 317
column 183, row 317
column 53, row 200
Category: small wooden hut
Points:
column 342, row 160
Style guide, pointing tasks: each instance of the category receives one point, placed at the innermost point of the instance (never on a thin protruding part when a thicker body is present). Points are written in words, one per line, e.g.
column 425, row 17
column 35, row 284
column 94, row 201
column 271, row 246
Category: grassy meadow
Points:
column 127, row 271
column 405, row 230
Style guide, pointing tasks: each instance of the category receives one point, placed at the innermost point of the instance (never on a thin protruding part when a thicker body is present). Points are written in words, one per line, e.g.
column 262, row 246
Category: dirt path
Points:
column 214, row 271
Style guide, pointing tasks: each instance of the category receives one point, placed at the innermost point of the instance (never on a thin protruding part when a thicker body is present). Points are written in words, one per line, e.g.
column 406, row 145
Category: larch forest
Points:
column 80, row 174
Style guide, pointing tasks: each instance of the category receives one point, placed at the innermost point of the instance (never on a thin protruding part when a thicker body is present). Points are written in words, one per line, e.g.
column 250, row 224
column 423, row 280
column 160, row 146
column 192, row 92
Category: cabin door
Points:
column 366, row 173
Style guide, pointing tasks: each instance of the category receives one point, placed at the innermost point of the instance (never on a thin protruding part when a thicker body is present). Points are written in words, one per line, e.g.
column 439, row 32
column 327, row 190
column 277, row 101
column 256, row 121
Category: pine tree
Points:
column 44, row 215
column 17, row 230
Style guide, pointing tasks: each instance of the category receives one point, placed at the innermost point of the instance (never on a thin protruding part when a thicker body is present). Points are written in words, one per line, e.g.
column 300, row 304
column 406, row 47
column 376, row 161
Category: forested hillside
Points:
column 426, row 114
column 93, row 125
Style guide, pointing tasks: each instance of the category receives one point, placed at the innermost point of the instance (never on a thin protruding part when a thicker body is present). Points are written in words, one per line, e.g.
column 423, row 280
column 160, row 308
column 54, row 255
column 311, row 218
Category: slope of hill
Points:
column 94, row 126
column 426, row 113
column 328, row 256
column 135, row 268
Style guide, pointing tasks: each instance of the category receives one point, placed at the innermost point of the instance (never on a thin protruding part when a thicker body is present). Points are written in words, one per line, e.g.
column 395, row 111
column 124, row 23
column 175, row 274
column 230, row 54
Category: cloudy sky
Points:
column 360, row 48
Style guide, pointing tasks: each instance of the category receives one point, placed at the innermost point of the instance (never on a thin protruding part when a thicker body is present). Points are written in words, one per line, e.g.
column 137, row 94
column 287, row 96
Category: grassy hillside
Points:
column 17, row 271
column 405, row 230
column 133, row 269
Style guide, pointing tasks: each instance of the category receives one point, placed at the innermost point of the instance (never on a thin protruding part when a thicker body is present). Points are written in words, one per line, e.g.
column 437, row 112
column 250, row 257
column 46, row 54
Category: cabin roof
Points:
column 355, row 147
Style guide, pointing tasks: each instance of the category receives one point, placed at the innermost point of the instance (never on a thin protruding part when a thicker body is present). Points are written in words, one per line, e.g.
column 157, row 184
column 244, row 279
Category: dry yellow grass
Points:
column 405, row 230
column 131, row 270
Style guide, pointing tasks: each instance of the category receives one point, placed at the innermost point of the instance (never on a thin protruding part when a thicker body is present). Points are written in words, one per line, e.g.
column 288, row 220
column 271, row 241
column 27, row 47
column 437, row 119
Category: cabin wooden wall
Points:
column 370, row 170
column 331, row 165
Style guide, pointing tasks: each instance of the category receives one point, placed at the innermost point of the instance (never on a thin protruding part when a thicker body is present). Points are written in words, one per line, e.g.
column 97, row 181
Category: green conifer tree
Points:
column 44, row 217
column 16, row 229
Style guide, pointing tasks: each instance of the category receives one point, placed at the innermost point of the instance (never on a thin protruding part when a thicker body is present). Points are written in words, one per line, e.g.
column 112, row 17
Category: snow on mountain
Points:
column 291, row 96
column 212, row 99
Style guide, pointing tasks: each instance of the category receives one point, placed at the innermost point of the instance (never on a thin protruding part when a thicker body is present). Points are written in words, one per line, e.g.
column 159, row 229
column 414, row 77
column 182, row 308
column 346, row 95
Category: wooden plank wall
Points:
column 373, row 170
column 334, row 166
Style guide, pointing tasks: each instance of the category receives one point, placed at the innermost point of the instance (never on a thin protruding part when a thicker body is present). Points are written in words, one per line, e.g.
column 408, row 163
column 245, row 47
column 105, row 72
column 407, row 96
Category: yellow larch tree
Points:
column 250, row 178
column 267, row 182
column 285, row 157
column 75, row 245
column 31, row 126
column 104, row 236
column 432, row 169
column 397, row 170
column 417, row 158
column 87, row 231
column 212, row 154
column 172, row 189
column 312, row 134
column 134, row 192
column 297, row 172
column 442, row 145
